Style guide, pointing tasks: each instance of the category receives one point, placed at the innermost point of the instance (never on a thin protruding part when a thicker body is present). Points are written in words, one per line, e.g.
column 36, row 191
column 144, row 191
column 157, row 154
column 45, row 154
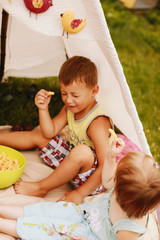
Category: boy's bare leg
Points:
column 73, row 164
column 23, row 140
column 8, row 219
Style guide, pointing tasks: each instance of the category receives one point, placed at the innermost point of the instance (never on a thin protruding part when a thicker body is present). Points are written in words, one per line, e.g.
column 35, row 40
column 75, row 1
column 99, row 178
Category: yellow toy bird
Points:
column 70, row 24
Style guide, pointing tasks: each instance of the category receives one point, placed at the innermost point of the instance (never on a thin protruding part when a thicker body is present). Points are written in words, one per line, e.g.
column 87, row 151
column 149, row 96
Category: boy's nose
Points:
column 69, row 99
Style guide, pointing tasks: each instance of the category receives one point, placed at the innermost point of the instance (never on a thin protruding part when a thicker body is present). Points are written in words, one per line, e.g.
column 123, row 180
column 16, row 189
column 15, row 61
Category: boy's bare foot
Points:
column 29, row 188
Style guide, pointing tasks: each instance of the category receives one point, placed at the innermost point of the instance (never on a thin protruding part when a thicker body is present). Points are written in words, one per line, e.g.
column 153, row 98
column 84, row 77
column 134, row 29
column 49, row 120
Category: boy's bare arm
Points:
column 99, row 135
column 51, row 127
column 106, row 155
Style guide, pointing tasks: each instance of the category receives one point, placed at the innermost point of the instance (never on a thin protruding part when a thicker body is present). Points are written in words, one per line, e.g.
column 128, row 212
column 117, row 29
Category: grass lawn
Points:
column 136, row 36
column 17, row 100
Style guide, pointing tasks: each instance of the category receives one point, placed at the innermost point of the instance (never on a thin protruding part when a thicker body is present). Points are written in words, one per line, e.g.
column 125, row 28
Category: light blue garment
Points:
column 49, row 220
column 61, row 220
column 97, row 214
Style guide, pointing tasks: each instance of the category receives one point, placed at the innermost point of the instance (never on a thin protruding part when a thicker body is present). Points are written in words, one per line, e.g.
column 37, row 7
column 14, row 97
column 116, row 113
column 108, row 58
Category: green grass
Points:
column 21, row 110
column 136, row 36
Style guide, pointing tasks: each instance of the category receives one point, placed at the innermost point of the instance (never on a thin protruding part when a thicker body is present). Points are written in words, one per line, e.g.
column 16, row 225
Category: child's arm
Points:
column 110, row 163
column 121, row 235
column 98, row 133
column 50, row 127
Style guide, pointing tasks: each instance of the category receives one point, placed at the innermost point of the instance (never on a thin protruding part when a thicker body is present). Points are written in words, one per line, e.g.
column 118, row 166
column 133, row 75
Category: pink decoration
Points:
column 129, row 146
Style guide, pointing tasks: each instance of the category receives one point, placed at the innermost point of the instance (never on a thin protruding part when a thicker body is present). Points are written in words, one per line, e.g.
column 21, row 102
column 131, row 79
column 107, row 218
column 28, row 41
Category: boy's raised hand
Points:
column 42, row 99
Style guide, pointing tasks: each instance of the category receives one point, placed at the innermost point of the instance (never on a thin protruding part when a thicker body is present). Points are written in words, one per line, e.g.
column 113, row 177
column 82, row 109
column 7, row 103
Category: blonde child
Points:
column 122, row 213
column 80, row 160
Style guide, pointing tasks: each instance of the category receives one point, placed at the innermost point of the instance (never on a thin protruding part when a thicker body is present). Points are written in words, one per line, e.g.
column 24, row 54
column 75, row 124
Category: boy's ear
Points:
column 95, row 89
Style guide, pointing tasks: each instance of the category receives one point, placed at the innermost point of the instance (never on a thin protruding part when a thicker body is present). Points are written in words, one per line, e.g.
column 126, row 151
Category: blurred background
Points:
column 135, row 30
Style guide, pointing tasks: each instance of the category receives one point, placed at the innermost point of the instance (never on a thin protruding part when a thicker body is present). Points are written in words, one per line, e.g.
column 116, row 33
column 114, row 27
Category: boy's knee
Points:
column 38, row 139
column 82, row 153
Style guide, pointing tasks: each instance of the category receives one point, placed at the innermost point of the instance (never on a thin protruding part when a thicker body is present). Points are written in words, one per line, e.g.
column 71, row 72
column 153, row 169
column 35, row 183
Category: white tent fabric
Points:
column 36, row 48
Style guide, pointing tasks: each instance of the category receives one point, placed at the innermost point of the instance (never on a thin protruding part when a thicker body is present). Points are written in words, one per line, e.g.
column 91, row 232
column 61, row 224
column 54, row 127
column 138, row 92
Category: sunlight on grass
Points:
column 21, row 109
column 136, row 36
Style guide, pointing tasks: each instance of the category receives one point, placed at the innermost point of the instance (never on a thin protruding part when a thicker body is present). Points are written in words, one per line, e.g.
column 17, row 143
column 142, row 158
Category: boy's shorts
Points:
column 57, row 150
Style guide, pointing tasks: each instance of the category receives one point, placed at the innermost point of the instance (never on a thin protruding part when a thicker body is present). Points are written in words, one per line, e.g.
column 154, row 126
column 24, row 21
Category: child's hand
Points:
column 109, row 166
column 42, row 99
column 72, row 196
column 116, row 148
column 79, row 238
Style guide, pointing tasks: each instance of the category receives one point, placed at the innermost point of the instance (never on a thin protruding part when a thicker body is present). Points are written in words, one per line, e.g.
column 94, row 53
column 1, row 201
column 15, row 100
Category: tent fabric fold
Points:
column 36, row 48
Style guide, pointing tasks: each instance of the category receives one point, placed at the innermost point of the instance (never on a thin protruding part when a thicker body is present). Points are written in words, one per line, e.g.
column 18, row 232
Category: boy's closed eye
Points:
column 76, row 96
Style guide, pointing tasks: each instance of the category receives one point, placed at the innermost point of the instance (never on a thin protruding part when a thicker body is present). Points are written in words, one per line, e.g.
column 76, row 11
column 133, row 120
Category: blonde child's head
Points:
column 80, row 69
column 137, row 184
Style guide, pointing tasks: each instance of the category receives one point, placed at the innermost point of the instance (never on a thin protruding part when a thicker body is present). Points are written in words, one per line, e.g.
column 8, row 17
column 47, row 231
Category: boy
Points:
column 80, row 160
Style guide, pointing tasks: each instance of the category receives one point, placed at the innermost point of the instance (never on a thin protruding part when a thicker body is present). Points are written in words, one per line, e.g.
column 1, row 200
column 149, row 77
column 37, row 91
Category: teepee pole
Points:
column 5, row 16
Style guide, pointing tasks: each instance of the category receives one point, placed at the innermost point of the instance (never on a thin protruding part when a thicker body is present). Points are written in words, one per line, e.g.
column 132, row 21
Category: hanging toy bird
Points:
column 70, row 24
column 37, row 6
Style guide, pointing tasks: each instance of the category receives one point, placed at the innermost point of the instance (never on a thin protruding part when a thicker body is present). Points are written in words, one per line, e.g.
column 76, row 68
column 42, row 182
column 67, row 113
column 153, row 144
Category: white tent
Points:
column 36, row 48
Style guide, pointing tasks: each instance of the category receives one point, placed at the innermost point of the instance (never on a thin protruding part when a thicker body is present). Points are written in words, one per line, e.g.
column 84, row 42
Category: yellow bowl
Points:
column 9, row 177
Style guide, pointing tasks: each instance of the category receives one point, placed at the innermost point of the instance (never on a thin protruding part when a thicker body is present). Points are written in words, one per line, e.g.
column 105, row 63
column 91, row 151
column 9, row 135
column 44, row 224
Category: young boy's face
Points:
column 77, row 96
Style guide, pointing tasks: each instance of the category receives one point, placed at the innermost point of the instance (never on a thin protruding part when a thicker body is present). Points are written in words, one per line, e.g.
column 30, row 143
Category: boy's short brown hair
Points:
column 137, row 184
column 78, row 68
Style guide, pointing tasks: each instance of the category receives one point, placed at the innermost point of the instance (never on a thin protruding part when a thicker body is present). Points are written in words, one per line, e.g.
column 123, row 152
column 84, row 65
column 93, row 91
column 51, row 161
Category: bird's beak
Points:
column 61, row 14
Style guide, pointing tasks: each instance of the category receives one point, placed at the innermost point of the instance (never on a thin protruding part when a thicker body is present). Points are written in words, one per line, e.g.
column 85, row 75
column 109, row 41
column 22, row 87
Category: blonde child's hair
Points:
column 80, row 69
column 137, row 184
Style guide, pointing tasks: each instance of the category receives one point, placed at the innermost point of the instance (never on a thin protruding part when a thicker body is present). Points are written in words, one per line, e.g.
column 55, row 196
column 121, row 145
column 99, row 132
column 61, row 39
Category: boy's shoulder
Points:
column 98, row 110
column 100, row 116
